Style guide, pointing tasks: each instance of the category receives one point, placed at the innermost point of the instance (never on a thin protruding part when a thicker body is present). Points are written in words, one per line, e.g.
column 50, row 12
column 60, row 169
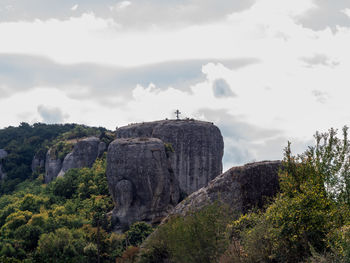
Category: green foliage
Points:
column 26, row 141
column 198, row 237
column 305, row 220
column 137, row 233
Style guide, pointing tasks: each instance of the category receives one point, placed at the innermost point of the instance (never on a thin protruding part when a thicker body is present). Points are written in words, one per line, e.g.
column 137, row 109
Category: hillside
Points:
column 72, row 193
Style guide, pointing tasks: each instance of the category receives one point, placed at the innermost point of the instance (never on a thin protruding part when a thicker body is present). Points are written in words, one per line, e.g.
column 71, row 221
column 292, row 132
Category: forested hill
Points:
column 65, row 220
column 24, row 142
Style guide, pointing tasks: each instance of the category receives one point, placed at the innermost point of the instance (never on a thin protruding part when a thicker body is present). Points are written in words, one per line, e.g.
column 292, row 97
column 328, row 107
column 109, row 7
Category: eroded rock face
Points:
column 53, row 166
column 241, row 188
column 38, row 164
column 198, row 148
column 3, row 155
column 142, row 183
column 84, row 154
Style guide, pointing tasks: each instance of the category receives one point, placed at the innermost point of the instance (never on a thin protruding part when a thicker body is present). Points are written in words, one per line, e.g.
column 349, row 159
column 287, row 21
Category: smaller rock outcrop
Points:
column 141, row 181
column 241, row 188
column 38, row 163
column 3, row 155
column 53, row 166
column 84, row 154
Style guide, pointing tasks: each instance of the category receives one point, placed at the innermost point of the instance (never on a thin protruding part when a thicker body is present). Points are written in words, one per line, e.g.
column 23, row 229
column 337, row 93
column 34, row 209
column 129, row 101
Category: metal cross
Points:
column 177, row 112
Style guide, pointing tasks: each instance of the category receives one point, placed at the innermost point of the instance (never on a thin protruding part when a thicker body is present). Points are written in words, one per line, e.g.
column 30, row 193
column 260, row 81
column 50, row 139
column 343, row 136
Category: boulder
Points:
column 141, row 181
column 240, row 188
column 198, row 148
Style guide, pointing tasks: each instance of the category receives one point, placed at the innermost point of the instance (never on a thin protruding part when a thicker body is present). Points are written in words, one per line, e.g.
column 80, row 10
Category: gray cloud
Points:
column 320, row 96
column 139, row 13
column 222, row 89
column 319, row 60
column 20, row 72
column 246, row 142
column 51, row 115
column 327, row 14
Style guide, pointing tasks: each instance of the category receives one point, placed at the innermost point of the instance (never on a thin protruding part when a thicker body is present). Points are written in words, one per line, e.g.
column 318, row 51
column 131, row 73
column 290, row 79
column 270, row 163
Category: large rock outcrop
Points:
column 84, row 154
column 141, row 181
column 241, row 188
column 198, row 148
column 3, row 155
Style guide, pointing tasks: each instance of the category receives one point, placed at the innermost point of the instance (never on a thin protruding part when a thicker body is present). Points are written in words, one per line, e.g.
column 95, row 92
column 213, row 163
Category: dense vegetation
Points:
column 68, row 220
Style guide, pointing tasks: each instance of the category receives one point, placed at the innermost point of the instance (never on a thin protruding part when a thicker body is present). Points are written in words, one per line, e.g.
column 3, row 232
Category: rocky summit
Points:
column 141, row 180
column 240, row 188
column 198, row 148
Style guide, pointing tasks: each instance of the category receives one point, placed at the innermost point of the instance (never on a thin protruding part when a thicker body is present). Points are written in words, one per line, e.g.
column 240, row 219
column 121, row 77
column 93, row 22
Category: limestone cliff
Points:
column 141, row 181
column 84, row 154
column 198, row 148
column 241, row 188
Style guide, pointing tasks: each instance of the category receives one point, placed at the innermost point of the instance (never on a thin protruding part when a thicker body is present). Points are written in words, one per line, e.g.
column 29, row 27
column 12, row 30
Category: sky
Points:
column 264, row 71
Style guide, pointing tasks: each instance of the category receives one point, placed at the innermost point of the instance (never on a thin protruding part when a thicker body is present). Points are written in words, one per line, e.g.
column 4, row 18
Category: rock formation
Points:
column 3, row 155
column 241, row 188
column 84, row 154
column 198, row 148
column 38, row 163
column 53, row 166
column 141, row 181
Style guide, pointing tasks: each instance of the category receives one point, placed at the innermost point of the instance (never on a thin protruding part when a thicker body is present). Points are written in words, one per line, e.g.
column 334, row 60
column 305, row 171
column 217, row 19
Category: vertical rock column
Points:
column 140, row 180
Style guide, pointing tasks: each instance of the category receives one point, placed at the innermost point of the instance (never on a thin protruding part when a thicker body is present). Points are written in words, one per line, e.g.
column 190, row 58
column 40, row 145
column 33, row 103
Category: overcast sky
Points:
column 264, row 71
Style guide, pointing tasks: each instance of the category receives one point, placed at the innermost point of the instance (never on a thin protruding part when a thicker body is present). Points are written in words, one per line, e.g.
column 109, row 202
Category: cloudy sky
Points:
column 264, row 71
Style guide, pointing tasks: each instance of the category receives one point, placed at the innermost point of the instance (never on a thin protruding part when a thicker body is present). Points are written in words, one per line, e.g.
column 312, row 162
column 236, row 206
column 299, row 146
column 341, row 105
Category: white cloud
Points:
column 74, row 7
column 296, row 79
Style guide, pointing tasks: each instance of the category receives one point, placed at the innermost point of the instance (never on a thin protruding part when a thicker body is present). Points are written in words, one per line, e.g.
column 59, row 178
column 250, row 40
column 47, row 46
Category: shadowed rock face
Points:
column 140, row 180
column 53, row 166
column 38, row 163
column 241, row 188
column 198, row 148
column 3, row 155
column 84, row 154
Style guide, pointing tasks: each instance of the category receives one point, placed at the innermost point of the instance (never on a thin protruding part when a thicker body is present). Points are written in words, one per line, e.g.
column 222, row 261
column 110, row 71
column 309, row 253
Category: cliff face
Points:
column 198, row 148
column 84, row 154
column 140, row 180
column 241, row 188
column 3, row 155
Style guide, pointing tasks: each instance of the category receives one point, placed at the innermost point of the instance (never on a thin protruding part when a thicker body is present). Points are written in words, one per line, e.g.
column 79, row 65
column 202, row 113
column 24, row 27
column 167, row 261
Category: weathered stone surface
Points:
column 53, row 166
column 198, row 148
column 84, row 154
column 142, row 183
column 38, row 164
column 3, row 155
column 241, row 188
